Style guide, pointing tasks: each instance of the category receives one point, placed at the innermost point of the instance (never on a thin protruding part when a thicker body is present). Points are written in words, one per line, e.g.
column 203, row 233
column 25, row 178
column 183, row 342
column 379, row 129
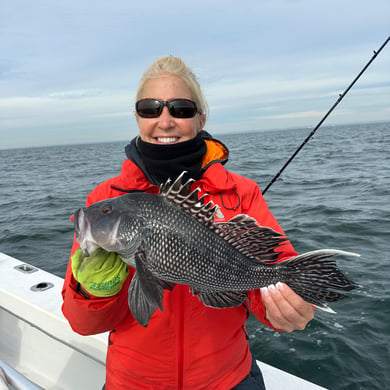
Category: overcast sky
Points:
column 69, row 69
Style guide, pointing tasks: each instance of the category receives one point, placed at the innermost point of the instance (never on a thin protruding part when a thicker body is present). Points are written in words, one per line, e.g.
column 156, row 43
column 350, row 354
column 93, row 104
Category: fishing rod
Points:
column 340, row 98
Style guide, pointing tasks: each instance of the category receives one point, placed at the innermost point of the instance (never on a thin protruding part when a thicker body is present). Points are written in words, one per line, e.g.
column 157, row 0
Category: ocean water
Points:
column 335, row 194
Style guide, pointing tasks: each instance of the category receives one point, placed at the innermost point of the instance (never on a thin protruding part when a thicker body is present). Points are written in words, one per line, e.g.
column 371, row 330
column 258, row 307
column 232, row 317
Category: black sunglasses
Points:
column 178, row 108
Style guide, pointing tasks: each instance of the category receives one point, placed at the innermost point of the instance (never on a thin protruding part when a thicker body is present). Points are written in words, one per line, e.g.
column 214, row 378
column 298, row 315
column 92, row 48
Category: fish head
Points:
column 110, row 224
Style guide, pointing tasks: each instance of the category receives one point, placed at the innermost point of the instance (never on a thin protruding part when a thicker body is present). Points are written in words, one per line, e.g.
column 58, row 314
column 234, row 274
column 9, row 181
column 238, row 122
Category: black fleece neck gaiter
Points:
column 163, row 162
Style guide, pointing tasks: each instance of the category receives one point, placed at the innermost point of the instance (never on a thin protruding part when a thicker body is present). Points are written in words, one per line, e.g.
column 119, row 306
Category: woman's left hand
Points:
column 285, row 309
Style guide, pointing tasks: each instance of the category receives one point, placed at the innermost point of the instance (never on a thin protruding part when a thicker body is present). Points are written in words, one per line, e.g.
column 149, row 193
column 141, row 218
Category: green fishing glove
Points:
column 102, row 274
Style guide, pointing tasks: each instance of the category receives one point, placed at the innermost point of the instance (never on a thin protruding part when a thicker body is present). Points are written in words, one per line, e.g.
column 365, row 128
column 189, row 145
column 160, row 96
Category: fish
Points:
column 171, row 238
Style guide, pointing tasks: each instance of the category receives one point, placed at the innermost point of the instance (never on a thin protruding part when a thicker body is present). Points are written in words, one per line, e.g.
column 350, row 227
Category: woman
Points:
column 189, row 345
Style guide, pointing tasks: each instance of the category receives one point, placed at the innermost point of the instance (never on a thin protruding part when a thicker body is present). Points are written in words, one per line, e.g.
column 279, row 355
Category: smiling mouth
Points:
column 167, row 140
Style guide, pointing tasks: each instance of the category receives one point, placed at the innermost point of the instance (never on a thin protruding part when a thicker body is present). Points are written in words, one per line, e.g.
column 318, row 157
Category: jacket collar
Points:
column 214, row 179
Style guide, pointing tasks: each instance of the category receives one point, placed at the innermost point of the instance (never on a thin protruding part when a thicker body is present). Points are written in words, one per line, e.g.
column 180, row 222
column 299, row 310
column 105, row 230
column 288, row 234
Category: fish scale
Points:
column 171, row 238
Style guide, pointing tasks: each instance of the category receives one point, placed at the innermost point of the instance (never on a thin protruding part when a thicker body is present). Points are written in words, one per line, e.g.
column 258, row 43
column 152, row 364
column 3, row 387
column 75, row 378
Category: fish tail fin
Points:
column 316, row 278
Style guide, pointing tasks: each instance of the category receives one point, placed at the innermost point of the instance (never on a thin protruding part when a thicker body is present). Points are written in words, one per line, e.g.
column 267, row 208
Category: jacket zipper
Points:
column 180, row 339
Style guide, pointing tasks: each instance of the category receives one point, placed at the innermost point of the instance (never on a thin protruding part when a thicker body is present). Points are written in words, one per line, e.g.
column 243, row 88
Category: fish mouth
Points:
column 89, row 243
column 83, row 233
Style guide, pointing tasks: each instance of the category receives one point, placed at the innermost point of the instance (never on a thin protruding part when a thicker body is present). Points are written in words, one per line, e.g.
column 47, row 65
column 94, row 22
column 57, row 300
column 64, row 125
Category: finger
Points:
column 269, row 302
column 274, row 315
column 299, row 305
column 281, row 311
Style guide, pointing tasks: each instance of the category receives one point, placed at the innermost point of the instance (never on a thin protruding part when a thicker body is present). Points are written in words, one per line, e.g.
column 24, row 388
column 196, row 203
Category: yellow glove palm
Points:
column 102, row 274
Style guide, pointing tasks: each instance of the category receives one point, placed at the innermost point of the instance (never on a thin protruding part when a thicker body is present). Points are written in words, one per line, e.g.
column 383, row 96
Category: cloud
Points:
column 75, row 94
column 295, row 115
column 70, row 71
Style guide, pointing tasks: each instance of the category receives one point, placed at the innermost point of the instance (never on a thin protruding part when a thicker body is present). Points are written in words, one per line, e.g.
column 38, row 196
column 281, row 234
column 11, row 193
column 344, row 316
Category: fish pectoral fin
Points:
column 145, row 292
column 221, row 299
column 139, row 306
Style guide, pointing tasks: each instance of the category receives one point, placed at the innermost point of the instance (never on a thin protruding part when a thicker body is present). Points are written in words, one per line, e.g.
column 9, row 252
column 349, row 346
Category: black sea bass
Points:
column 172, row 238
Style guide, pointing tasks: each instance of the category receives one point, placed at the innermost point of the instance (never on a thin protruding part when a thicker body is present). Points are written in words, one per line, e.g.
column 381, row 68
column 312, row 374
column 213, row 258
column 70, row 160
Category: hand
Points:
column 101, row 274
column 285, row 309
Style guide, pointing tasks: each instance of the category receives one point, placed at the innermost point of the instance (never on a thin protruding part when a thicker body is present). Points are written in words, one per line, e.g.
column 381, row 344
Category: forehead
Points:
column 165, row 87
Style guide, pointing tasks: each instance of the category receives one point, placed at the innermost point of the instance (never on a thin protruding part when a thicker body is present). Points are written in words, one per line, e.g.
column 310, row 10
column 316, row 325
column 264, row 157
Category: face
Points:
column 167, row 129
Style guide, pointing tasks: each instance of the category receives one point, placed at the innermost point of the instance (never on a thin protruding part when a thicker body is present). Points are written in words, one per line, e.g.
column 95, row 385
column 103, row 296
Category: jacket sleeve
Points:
column 254, row 205
column 88, row 314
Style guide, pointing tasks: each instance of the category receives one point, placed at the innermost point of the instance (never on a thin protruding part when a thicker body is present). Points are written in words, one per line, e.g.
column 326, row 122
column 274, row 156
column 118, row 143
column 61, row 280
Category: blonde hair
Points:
column 176, row 67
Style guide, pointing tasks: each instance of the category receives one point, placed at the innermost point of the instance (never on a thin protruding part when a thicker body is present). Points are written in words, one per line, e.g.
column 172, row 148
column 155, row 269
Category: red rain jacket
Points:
column 188, row 345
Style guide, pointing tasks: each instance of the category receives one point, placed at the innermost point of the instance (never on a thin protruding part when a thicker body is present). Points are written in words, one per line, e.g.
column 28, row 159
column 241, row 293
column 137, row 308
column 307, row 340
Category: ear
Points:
column 202, row 121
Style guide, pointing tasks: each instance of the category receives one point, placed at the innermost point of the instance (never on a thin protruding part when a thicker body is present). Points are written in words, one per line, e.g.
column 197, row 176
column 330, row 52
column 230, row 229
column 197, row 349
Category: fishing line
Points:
column 340, row 98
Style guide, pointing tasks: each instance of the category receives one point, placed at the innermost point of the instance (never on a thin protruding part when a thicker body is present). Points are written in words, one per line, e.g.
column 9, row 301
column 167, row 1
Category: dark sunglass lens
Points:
column 180, row 108
column 148, row 108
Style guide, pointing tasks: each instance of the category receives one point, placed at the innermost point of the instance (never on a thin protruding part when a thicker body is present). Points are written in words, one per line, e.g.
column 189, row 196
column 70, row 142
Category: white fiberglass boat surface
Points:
column 39, row 350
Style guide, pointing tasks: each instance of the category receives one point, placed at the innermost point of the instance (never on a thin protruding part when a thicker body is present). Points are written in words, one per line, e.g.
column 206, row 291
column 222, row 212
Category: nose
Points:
column 165, row 119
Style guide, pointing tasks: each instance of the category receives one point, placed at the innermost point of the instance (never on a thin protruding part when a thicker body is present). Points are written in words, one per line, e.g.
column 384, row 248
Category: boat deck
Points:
column 39, row 350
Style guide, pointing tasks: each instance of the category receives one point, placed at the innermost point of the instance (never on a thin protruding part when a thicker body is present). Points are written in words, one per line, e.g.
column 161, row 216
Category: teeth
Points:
column 167, row 140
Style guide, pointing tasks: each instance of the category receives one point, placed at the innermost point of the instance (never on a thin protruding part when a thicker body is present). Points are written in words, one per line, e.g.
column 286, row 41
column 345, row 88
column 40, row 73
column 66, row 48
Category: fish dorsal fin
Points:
column 252, row 240
column 242, row 232
column 188, row 199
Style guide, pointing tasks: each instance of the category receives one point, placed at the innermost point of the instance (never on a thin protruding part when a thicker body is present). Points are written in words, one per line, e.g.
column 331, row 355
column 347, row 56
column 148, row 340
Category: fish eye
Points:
column 105, row 209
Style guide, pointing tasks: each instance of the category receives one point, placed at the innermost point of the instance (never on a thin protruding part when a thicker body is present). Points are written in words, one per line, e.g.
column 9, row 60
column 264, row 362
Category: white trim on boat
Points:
column 37, row 341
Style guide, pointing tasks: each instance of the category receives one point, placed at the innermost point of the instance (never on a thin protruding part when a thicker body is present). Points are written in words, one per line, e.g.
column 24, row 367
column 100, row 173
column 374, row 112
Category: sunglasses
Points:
column 178, row 108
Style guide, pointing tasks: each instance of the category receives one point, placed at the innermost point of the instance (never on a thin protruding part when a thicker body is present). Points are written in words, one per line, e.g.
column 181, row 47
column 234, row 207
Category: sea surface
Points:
column 335, row 194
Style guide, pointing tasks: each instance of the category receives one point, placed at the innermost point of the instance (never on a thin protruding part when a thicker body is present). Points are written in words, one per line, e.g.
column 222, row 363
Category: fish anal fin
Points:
column 221, row 299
